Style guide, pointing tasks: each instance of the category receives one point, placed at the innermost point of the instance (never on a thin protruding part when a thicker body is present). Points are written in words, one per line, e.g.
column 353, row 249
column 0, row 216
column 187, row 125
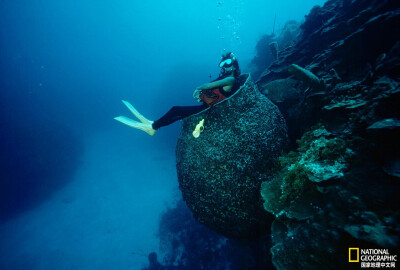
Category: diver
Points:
column 209, row 94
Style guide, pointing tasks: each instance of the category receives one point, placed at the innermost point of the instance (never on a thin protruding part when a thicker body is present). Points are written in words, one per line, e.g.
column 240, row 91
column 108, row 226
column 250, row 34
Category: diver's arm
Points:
column 229, row 81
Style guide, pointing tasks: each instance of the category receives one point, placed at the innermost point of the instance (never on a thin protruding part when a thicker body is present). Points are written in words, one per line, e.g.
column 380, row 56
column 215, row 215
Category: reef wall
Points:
column 338, row 89
column 220, row 173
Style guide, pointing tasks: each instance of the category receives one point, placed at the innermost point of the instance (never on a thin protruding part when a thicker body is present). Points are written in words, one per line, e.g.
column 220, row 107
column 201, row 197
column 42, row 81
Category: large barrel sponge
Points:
column 220, row 173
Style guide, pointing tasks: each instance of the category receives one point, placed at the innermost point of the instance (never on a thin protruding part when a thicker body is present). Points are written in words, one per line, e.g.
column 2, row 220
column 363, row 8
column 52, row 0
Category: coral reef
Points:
column 264, row 57
column 289, row 33
column 220, row 173
column 274, row 47
column 269, row 46
column 186, row 244
column 340, row 187
column 316, row 207
column 320, row 158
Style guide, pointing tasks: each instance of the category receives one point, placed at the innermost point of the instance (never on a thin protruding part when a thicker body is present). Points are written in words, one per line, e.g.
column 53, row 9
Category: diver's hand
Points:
column 196, row 94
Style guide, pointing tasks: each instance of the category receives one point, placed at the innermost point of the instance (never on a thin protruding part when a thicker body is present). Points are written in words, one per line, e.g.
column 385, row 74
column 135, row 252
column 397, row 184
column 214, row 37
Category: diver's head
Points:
column 229, row 64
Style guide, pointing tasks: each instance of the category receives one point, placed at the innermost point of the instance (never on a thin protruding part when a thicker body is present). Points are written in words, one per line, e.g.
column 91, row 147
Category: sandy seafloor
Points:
column 106, row 218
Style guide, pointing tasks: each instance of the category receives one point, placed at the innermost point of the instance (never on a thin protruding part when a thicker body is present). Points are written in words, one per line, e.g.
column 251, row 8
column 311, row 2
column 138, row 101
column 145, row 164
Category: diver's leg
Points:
column 177, row 113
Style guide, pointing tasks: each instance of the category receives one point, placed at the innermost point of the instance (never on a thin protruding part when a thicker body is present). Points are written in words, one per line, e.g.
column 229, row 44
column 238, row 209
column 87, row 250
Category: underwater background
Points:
column 78, row 190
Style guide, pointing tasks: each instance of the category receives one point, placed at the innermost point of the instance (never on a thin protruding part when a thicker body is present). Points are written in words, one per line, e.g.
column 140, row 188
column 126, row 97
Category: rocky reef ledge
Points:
column 220, row 172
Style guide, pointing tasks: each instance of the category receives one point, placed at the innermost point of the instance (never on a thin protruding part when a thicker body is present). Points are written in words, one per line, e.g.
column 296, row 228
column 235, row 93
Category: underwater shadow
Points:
column 35, row 161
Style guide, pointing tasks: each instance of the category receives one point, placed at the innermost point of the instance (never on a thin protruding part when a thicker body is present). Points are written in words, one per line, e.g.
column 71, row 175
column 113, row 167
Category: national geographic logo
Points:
column 354, row 254
column 372, row 258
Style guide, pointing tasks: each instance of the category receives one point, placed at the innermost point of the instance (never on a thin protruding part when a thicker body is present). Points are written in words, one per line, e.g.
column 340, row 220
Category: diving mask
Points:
column 226, row 63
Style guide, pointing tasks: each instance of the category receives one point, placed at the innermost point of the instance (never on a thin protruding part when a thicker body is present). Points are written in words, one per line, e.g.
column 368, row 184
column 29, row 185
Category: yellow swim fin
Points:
column 142, row 119
column 145, row 124
column 138, row 125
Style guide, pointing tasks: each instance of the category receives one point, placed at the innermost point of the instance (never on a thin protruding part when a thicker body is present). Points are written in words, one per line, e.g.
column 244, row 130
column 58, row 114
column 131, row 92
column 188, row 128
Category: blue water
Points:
column 79, row 190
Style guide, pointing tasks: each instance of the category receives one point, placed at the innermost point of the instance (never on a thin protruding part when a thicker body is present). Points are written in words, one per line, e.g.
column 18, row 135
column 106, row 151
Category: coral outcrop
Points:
column 320, row 208
column 221, row 171
column 186, row 244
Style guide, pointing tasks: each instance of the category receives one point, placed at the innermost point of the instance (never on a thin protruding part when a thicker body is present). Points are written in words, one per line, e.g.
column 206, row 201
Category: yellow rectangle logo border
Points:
column 358, row 254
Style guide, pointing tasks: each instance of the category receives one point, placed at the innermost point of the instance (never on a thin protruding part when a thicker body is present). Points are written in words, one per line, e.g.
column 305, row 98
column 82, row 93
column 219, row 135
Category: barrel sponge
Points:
column 220, row 172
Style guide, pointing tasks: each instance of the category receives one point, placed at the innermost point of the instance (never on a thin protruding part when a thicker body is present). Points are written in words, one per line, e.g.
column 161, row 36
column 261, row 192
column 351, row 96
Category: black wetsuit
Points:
column 179, row 112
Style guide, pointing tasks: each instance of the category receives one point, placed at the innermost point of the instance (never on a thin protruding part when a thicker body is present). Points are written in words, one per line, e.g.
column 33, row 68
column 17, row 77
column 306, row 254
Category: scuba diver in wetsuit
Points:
column 210, row 93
